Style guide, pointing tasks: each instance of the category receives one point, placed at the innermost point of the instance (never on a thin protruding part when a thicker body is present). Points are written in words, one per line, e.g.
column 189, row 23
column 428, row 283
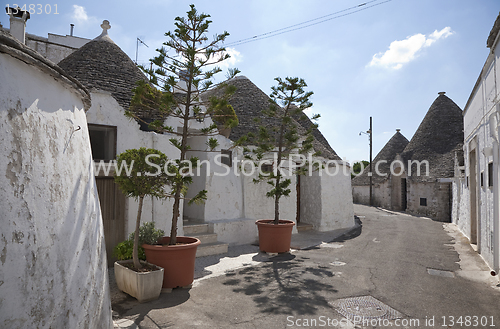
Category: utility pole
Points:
column 370, row 174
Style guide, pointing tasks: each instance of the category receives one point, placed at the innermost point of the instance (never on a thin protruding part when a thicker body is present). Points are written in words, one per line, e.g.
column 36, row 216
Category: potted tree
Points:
column 137, row 278
column 281, row 136
column 174, row 98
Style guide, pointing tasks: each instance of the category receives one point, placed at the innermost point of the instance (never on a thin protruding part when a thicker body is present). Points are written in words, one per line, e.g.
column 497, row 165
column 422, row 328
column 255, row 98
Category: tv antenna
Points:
column 137, row 48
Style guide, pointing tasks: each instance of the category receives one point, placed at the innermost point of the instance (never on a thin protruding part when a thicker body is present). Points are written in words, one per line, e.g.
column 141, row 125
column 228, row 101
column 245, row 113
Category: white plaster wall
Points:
column 381, row 193
column 105, row 110
column 259, row 206
column 52, row 253
column 197, row 211
column 55, row 47
column 476, row 127
column 361, row 194
column 225, row 188
column 236, row 231
column 311, row 200
column 337, row 206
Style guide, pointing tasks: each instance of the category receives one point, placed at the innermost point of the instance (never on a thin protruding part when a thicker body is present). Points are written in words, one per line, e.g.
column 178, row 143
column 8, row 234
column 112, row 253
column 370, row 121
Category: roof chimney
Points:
column 398, row 130
column 71, row 30
column 442, row 92
column 18, row 20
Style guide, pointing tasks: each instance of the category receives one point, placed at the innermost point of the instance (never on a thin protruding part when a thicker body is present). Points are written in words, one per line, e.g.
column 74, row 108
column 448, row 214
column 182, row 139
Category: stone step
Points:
column 213, row 248
column 193, row 229
column 301, row 227
column 206, row 237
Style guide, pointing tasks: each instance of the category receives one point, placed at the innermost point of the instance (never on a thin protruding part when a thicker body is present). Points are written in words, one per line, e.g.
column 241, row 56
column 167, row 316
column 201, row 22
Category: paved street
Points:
column 418, row 270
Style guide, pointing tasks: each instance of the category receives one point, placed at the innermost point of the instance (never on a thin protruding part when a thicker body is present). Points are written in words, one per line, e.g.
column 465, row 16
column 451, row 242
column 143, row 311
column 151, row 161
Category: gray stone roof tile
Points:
column 248, row 102
column 394, row 146
column 101, row 64
column 437, row 139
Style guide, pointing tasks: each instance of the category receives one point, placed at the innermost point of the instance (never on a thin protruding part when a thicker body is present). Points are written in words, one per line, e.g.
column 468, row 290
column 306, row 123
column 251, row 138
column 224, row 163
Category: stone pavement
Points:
column 394, row 267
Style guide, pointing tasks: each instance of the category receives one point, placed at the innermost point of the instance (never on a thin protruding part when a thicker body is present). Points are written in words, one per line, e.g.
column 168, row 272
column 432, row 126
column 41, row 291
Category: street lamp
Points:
column 370, row 173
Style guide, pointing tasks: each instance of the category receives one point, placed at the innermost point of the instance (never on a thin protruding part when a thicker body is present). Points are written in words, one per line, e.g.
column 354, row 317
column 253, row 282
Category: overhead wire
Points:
column 291, row 27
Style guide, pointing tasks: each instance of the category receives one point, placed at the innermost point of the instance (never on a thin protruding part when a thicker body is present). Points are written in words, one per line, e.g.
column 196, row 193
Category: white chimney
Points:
column 18, row 20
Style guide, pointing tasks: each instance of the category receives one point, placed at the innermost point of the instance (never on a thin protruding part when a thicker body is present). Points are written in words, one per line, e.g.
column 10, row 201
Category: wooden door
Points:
column 112, row 203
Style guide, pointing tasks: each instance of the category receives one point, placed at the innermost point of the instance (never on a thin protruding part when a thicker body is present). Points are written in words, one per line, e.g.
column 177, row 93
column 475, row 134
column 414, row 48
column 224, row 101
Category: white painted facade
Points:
column 235, row 202
column 479, row 191
column 325, row 198
column 105, row 110
column 52, row 253
column 55, row 47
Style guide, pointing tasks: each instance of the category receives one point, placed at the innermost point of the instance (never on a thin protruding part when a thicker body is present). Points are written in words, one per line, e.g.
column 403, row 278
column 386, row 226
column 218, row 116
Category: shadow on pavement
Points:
column 284, row 284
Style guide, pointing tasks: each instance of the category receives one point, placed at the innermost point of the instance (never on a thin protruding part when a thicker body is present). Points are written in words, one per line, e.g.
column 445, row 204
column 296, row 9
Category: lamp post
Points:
column 370, row 173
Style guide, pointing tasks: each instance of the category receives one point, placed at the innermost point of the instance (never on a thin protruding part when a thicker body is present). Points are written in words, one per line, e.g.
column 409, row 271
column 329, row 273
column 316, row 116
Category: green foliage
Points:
column 147, row 176
column 356, row 167
column 148, row 234
column 182, row 71
column 124, row 250
column 288, row 101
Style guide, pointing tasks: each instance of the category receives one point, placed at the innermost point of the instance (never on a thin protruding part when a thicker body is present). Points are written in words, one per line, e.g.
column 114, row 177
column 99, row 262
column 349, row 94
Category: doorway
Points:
column 473, row 197
column 404, row 196
column 112, row 202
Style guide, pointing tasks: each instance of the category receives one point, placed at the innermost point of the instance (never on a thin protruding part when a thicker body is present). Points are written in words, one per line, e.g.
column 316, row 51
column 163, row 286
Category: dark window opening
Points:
column 227, row 157
column 423, row 202
column 144, row 124
column 482, row 178
column 102, row 142
column 490, row 174
column 267, row 167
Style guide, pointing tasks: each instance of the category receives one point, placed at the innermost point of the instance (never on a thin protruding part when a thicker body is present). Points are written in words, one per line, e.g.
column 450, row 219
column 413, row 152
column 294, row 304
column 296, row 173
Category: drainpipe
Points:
column 493, row 123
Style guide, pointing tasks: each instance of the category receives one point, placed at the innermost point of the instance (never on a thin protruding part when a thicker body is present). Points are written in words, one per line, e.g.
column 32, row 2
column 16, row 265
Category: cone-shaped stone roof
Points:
column 384, row 158
column 436, row 140
column 101, row 64
column 493, row 33
column 249, row 101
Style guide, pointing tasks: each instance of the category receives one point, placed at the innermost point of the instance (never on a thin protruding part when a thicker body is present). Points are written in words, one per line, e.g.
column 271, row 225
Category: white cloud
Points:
column 81, row 17
column 236, row 57
column 79, row 14
column 231, row 62
column 403, row 51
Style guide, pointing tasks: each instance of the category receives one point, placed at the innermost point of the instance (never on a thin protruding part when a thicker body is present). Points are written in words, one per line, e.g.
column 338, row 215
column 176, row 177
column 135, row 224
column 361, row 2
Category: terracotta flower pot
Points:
column 275, row 238
column 177, row 261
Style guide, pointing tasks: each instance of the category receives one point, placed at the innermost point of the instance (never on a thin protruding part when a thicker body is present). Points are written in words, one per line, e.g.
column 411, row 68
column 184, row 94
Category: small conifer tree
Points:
column 283, row 137
column 181, row 73
column 143, row 179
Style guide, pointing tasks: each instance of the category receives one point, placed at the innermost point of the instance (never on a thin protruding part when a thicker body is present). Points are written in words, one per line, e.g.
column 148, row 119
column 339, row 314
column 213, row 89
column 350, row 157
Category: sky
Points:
column 386, row 59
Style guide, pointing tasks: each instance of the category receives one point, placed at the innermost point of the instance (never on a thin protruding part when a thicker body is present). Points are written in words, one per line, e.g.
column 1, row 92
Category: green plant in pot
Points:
column 148, row 234
column 142, row 179
column 179, row 76
column 280, row 136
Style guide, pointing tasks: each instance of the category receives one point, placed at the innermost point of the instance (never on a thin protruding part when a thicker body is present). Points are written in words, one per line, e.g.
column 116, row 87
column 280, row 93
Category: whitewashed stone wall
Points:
column 482, row 105
column 52, row 254
column 381, row 194
column 105, row 110
column 325, row 199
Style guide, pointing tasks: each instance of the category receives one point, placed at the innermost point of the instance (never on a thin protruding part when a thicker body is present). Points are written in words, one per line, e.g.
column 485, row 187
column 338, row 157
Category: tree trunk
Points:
column 135, row 252
column 175, row 216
